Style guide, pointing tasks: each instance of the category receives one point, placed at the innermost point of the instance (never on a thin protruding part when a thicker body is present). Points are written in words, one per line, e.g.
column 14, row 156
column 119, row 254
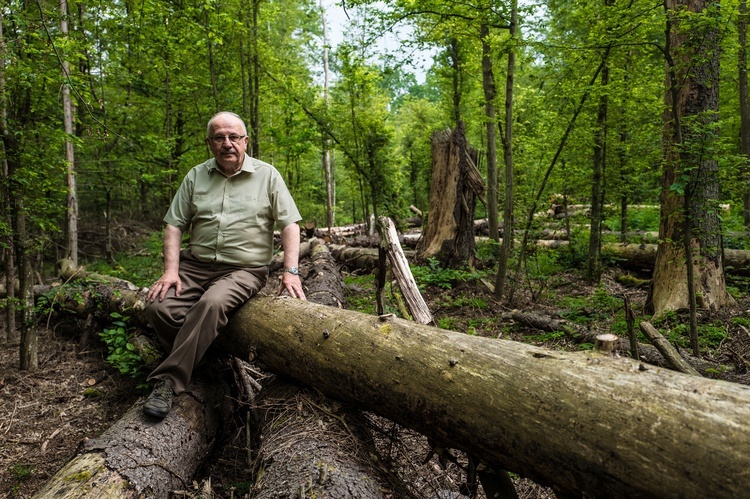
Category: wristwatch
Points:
column 292, row 270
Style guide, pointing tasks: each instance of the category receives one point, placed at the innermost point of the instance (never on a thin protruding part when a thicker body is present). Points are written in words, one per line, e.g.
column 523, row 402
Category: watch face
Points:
column 292, row 270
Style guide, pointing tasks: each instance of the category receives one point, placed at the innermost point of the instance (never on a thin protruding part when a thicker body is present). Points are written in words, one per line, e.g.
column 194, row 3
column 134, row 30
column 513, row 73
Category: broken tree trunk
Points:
column 556, row 417
column 666, row 349
column 400, row 267
column 456, row 185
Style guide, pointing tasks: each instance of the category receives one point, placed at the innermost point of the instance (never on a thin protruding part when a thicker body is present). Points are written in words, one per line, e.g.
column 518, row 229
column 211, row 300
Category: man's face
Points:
column 229, row 155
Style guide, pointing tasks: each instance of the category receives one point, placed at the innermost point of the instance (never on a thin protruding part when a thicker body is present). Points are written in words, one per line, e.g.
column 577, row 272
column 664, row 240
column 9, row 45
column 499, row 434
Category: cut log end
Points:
column 605, row 343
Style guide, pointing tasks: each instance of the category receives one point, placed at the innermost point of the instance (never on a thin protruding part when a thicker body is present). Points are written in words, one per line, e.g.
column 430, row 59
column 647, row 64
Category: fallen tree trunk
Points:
column 581, row 423
column 138, row 457
column 310, row 447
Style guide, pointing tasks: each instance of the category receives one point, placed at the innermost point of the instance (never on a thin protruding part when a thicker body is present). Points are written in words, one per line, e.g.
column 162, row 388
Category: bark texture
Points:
column 543, row 414
column 690, row 225
column 312, row 447
column 139, row 457
column 456, row 185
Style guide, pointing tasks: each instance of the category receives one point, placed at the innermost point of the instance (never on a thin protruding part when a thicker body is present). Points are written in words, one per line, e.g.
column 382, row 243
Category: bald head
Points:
column 221, row 115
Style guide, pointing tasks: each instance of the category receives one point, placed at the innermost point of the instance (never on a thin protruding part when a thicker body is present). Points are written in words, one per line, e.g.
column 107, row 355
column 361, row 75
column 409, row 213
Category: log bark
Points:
column 666, row 349
column 544, row 414
column 456, row 185
column 139, row 457
column 400, row 267
column 312, row 447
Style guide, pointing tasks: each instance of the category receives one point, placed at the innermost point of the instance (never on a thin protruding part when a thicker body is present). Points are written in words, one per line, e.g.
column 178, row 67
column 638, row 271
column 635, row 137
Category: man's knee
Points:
column 160, row 313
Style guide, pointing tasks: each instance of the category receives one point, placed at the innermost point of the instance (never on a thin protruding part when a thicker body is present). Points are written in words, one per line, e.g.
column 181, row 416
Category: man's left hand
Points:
column 293, row 285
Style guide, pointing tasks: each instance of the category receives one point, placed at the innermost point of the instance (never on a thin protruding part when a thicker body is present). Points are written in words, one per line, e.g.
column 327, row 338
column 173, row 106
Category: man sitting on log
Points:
column 230, row 205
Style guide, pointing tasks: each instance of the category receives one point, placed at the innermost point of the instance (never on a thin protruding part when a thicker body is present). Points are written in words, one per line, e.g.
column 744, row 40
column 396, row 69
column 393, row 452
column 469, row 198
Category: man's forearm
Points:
column 172, row 243
column 290, row 242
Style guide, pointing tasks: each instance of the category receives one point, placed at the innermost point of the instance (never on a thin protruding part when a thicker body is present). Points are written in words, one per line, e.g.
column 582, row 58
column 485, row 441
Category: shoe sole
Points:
column 155, row 412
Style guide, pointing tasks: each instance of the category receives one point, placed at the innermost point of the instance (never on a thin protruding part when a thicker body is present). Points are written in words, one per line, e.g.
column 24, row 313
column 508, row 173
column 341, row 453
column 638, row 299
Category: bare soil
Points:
column 75, row 395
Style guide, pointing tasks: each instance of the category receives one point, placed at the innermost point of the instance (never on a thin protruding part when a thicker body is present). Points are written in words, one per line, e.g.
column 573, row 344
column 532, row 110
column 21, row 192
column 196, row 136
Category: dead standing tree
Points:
column 456, row 184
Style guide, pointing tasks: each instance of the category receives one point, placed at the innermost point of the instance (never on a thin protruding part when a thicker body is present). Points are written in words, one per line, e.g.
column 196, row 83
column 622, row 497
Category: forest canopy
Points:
column 348, row 124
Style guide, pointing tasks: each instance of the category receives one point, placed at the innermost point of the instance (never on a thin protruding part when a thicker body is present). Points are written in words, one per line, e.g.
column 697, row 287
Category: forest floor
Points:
column 75, row 395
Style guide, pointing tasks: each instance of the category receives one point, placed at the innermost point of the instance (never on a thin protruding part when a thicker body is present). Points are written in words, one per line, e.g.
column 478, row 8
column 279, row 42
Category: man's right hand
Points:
column 159, row 288
column 171, row 275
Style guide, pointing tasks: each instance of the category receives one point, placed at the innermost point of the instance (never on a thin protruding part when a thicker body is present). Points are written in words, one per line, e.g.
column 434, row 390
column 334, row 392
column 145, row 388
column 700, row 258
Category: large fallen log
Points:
column 137, row 457
column 582, row 423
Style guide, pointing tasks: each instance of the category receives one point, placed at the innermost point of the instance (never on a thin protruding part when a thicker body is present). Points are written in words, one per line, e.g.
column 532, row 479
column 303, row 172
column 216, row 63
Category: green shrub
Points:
column 433, row 274
column 142, row 268
column 122, row 353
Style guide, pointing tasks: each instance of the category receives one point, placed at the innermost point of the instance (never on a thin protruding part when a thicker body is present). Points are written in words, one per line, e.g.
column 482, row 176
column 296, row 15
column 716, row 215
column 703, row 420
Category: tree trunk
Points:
column 744, row 108
column 139, row 457
column 72, row 212
column 508, row 218
column 7, row 197
column 543, row 414
column 456, row 183
column 488, row 84
column 593, row 266
column 312, row 447
column 417, row 307
column 326, row 157
column 692, row 98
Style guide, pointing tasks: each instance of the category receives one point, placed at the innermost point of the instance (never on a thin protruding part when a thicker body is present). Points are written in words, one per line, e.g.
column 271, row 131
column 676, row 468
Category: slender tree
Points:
column 326, row 156
column 6, row 222
column 72, row 211
column 488, row 84
column 744, row 108
column 508, row 219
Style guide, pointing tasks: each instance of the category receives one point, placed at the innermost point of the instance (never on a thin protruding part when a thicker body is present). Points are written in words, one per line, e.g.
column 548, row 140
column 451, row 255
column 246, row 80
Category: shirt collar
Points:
column 248, row 165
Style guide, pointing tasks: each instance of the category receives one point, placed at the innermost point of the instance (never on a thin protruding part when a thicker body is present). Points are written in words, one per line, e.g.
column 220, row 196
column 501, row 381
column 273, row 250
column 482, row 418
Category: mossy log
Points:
column 580, row 422
column 140, row 457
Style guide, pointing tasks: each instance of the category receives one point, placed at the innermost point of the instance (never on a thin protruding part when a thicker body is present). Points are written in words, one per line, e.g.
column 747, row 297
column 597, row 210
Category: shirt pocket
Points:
column 251, row 211
column 206, row 206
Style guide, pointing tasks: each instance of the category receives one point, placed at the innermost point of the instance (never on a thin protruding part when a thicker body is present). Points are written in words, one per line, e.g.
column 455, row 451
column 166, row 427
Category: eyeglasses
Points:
column 234, row 138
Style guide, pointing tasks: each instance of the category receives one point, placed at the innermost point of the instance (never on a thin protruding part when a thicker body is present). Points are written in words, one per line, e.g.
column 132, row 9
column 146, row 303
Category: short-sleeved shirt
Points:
column 231, row 219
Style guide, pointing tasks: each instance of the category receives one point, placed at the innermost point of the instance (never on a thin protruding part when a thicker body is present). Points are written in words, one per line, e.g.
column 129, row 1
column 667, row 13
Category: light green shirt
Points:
column 231, row 219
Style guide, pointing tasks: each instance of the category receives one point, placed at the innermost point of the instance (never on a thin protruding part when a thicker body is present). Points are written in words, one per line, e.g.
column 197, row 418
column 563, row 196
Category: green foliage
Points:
column 361, row 302
column 576, row 253
column 122, row 353
column 20, row 473
column 487, row 252
column 645, row 219
column 481, row 326
column 449, row 323
column 142, row 268
column 546, row 337
column 433, row 274
column 676, row 329
column 596, row 308
column 461, row 301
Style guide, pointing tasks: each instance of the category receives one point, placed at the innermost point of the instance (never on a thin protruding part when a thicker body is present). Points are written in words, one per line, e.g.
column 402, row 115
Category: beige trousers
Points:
column 186, row 325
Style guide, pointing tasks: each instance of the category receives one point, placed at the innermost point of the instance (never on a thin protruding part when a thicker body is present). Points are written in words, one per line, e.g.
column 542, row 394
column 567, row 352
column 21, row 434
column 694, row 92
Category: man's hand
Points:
column 171, row 275
column 293, row 285
column 160, row 287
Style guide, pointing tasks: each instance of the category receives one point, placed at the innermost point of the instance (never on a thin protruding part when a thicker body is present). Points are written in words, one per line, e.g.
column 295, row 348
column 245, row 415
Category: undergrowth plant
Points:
column 122, row 352
column 434, row 274
column 142, row 268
